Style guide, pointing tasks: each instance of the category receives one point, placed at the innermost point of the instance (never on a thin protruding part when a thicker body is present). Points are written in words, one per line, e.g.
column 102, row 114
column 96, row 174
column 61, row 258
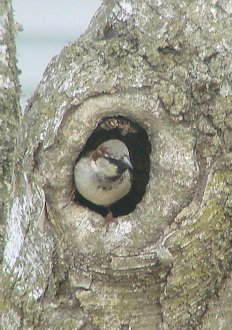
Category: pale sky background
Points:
column 48, row 25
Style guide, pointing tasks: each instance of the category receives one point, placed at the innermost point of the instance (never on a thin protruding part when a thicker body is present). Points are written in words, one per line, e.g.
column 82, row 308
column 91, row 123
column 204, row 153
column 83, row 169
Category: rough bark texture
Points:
column 9, row 109
column 166, row 66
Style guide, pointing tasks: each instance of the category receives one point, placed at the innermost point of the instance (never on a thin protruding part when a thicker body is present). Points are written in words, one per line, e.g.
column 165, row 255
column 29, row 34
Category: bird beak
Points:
column 127, row 162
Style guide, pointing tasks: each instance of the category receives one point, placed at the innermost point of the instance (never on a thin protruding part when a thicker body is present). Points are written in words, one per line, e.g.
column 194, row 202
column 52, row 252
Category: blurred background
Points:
column 47, row 27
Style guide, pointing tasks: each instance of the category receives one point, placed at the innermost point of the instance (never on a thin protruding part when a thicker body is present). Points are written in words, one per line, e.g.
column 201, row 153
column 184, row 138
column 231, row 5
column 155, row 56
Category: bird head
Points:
column 112, row 158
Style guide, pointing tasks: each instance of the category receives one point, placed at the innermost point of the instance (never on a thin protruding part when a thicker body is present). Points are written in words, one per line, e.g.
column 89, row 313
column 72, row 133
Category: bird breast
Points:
column 96, row 187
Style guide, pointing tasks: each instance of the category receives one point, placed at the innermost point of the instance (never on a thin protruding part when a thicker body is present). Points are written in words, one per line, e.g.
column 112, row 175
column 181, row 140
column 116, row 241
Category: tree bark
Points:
column 9, row 111
column 166, row 265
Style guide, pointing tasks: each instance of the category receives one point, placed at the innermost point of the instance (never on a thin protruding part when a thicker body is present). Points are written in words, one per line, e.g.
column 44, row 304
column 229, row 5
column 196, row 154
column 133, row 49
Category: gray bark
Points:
column 9, row 110
column 166, row 265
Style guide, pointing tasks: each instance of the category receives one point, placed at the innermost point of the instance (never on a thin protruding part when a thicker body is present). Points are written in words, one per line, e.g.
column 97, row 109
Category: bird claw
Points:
column 109, row 219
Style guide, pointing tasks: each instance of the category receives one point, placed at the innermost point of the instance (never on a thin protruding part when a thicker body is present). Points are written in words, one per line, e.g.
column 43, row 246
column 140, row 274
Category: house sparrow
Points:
column 104, row 175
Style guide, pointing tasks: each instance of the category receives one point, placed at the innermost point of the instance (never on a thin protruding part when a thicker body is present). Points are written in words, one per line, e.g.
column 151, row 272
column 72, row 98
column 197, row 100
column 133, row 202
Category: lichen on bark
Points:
column 9, row 109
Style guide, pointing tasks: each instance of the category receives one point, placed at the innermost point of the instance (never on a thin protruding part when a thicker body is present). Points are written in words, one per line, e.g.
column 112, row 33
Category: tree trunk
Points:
column 165, row 67
column 9, row 111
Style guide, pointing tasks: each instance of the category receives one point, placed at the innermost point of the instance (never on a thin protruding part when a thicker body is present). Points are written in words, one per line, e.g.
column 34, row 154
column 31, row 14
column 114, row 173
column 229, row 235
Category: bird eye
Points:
column 110, row 159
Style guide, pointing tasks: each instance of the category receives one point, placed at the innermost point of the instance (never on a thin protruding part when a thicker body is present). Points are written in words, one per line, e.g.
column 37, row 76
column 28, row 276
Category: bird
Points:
column 104, row 175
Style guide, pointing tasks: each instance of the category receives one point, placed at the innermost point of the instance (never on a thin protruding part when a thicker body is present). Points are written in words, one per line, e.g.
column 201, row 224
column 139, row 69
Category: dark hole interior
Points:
column 136, row 139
